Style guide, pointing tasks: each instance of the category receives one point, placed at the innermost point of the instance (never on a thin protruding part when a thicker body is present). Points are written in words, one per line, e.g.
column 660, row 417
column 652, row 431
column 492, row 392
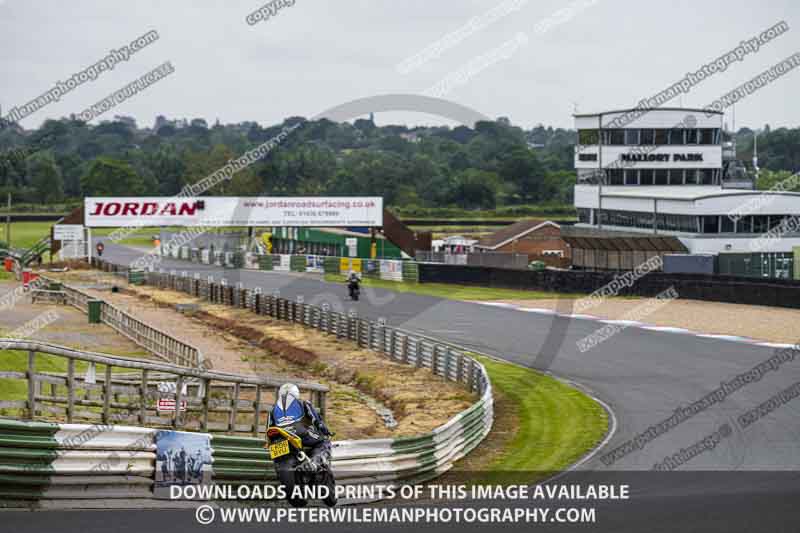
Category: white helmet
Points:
column 287, row 394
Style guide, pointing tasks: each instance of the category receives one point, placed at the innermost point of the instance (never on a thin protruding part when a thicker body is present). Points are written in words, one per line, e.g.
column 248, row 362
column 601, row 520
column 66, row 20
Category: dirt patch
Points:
column 773, row 324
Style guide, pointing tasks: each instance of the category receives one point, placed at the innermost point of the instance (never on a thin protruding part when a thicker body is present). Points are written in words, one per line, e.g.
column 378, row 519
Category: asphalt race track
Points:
column 643, row 376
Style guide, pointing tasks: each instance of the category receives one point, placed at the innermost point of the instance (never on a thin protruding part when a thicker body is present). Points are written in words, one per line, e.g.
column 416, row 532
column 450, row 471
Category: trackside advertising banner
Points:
column 233, row 211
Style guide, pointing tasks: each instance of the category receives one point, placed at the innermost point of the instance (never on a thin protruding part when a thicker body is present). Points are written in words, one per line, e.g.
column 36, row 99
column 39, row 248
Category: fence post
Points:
column 472, row 368
column 32, row 384
column 70, row 390
column 257, row 409
column 323, row 409
column 176, row 422
column 207, row 390
column 234, row 408
column 392, row 343
column 144, row 394
column 107, row 396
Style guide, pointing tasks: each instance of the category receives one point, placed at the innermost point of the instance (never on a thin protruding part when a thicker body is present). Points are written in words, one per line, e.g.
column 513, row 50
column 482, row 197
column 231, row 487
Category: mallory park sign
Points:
column 642, row 158
column 214, row 211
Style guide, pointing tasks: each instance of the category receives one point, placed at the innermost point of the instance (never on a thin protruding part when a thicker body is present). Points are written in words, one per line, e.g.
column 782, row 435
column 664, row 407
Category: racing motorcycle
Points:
column 353, row 286
column 292, row 466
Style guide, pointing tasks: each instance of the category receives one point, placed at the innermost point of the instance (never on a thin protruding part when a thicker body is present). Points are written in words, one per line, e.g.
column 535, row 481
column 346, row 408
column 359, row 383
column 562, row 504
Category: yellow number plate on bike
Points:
column 278, row 449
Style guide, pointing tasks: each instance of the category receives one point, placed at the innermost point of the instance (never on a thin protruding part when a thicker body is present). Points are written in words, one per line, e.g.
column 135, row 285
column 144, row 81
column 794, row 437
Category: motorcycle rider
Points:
column 353, row 282
column 305, row 422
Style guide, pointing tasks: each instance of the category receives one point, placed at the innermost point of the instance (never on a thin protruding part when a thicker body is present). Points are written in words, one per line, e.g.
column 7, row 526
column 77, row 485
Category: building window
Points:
column 615, row 177
column 662, row 136
column 632, row 137
column 706, row 176
column 631, row 177
column 676, row 176
column 727, row 225
column 646, row 176
column 676, row 136
column 661, row 176
column 588, row 137
column 648, row 136
column 614, row 137
column 760, row 224
column 711, row 224
column 744, row 225
column 707, row 136
column 776, row 220
column 691, row 176
column 632, row 219
column 584, row 215
column 691, row 136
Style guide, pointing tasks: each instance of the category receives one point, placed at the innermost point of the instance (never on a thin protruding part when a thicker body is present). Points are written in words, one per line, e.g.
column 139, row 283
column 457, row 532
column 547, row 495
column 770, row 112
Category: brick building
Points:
column 539, row 239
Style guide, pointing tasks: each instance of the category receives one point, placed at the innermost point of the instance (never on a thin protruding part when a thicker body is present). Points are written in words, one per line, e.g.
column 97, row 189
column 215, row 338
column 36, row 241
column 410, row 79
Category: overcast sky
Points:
column 316, row 54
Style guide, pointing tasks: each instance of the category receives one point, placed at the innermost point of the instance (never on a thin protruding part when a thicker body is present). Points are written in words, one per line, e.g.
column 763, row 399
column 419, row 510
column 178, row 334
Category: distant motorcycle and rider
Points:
column 354, row 286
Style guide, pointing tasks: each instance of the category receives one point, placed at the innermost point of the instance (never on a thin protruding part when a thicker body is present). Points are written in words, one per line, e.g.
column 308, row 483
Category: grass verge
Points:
column 541, row 426
column 454, row 292
column 15, row 361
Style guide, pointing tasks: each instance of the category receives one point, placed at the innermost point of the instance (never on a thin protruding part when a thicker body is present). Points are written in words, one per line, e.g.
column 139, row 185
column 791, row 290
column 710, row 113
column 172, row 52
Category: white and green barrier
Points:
column 49, row 461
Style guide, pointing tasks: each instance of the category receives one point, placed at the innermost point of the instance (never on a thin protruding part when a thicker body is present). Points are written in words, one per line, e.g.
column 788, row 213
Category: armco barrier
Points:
column 728, row 289
column 47, row 461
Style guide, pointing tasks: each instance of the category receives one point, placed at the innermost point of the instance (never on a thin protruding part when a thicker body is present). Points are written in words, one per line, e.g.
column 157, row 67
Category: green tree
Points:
column 45, row 177
column 111, row 177
column 473, row 189
column 767, row 179
column 524, row 170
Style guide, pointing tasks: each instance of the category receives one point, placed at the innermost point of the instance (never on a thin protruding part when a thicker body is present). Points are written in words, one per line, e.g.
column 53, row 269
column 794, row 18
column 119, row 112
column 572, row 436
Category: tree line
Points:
column 491, row 165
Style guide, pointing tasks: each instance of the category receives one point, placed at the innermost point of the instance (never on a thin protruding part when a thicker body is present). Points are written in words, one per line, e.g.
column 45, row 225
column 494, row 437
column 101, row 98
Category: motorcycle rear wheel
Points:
column 287, row 475
column 330, row 482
